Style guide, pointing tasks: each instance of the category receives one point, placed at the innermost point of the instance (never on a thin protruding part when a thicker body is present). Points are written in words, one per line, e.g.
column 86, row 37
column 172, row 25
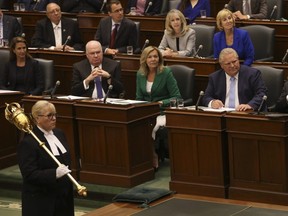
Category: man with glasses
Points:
column 56, row 32
column 234, row 86
column 116, row 32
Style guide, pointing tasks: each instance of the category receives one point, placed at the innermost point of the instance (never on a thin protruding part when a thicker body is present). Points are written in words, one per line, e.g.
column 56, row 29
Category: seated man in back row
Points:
column 56, row 32
column 93, row 76
column 248, row 9
column 116, row 32
column 234, row 86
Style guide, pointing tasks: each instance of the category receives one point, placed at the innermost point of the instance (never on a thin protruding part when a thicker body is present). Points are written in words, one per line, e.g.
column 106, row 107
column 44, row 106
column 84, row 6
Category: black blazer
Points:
column 82, row 69
column 126, row 35
column 34, row 77
column 11, row 27
column 41, row 190
column 44, row 34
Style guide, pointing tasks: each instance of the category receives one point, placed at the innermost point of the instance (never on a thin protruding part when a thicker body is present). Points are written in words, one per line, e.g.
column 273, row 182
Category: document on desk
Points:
column 8, row 91
column 124, row 102
column 72, row 97
column 209, row 109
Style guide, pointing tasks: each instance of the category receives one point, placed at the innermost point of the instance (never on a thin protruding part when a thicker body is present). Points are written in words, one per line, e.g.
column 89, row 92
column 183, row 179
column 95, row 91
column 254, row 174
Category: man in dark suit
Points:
column 258, row 9
column 248, row 90
column 282, row 102
column 11, row 27
column 76, row 6
column 86, row 71
column 126, row 34
column 56, row 32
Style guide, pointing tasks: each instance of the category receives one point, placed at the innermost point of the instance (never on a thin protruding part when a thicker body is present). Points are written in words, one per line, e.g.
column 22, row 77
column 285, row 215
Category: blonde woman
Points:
column 178, row 38
column 231, row 37
column 155, row 83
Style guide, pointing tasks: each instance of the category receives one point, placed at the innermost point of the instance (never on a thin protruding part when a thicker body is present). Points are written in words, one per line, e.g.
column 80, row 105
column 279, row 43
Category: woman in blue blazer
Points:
column 232, row 37
column 192, row 8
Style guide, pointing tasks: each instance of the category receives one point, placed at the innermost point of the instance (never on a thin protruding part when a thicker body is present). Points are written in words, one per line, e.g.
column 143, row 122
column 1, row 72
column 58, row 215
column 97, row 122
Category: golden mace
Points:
column 15, row 115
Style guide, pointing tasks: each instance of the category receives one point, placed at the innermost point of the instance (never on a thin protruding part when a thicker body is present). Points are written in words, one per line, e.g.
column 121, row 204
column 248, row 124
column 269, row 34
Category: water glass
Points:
column 173, row 103
column 130, row 50
column 22, row 7
column 133, row 11
column 203, row 13
column 16, row 6
column 5, row 43
column 180, row 103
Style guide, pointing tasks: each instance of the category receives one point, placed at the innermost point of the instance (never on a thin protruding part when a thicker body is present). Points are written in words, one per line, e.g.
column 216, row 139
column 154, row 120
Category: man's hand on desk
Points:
column 243, row 107
column 239, row 15
column 109, row 51
column 60, row 48
column 217, row 104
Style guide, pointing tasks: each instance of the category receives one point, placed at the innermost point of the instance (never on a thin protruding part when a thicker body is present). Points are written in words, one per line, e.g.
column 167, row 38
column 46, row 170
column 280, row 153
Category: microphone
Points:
column 102, row 6
column 272, row 12
column 284, row 57
column 110, row 87
column 199, row 48
column 226, row 6
column 36, row 4
column 23, row 35
column 148, row 7
column 264, row 98
column 287, row 99
column 67, row 39
column 145, row 45
column 201, row 94
column 54, row 89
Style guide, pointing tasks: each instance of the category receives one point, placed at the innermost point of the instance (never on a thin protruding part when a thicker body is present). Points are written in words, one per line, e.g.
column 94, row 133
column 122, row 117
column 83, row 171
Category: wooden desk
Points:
column 198, row 152
column 281, row 32
column 9, row 133
column 65, row 121
column 115, row 142
column 258, row 158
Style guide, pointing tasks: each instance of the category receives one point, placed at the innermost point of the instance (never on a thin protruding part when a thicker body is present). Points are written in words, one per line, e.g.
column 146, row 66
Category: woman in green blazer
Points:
column 155, row 83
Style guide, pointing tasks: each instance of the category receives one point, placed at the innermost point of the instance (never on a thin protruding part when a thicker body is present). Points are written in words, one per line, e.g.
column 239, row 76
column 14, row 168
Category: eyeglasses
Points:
column 50, row 116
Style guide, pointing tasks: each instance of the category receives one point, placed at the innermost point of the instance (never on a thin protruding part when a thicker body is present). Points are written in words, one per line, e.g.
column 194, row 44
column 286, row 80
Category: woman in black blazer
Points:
column 22, row 72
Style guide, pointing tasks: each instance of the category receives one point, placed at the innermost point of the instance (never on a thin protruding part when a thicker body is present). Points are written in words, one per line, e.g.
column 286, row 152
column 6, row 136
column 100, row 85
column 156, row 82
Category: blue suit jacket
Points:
column 242, row 44
column 126, row 35
column 193, row 13
column 155, row 8
column 251, row 87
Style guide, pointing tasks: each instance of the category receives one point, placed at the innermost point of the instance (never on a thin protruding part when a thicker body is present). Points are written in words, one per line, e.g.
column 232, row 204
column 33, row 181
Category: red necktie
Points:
column 113, row 36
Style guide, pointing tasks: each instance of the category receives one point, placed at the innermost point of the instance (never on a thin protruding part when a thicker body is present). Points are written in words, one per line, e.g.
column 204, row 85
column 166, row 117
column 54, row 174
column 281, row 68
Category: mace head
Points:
column 15, row 115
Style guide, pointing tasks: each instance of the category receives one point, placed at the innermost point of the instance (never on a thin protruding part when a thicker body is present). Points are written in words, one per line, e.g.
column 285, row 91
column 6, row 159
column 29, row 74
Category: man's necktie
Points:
column 98, row 85
column 246, row 7
column 113, row 36
column 232, row 93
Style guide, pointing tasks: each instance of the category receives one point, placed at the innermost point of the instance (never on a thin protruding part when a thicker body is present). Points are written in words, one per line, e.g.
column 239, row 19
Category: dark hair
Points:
column 183, row 4
column 13, row 43
column 108, row 6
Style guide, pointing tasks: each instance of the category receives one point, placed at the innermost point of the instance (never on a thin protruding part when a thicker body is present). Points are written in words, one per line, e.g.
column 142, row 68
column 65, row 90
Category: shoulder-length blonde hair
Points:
column 143, row 65
column 170, row 31
column 221, row 15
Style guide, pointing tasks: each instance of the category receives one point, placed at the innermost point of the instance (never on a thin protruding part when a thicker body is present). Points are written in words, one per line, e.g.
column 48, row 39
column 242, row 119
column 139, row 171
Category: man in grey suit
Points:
column 85, row 72
column 10, row 27
column 56, row 32
column 248, row 90
column 257, row 9
column 126, row 33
